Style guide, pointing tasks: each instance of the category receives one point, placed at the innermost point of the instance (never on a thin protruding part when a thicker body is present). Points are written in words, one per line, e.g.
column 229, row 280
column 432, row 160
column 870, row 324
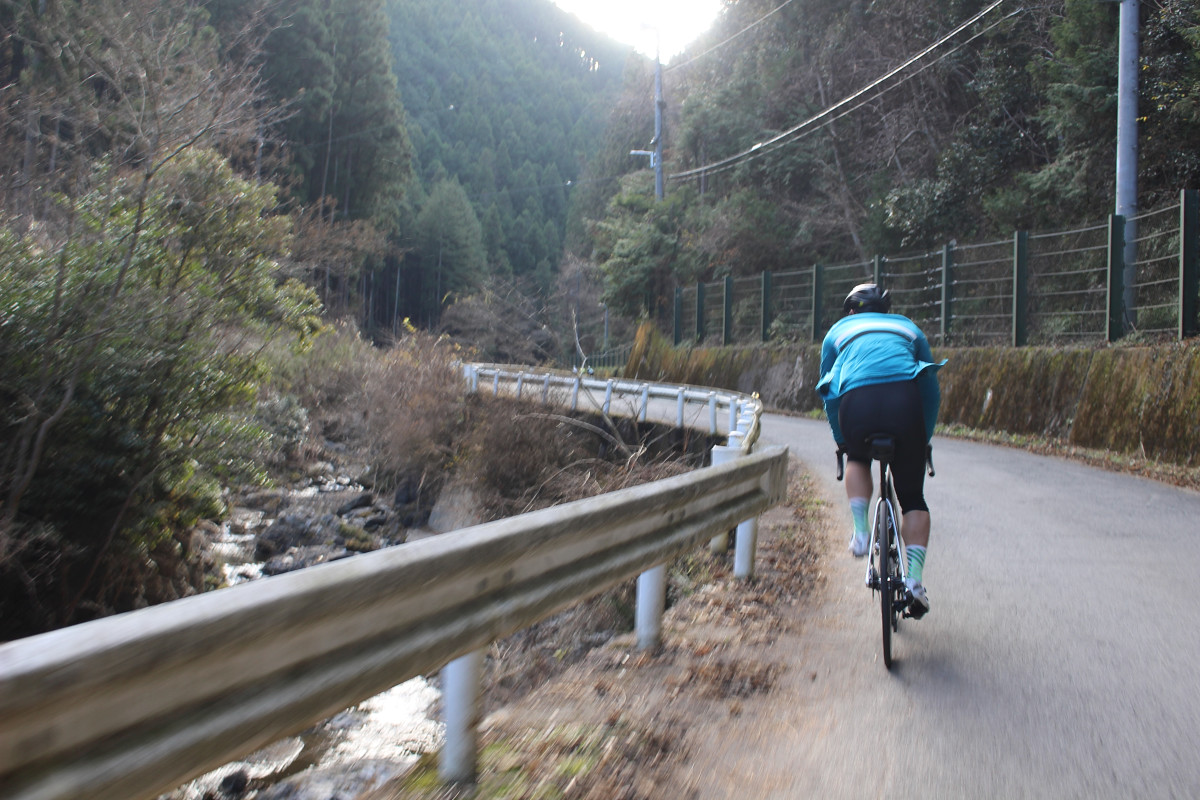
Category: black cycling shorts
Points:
column 893, row 409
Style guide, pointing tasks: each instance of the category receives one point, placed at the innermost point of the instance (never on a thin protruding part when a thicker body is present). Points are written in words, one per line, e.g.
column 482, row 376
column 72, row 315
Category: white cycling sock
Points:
column 916, row 562
column 858, row 510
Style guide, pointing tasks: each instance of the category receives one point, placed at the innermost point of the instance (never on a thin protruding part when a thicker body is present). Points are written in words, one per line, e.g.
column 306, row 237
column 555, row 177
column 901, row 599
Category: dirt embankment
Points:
column 618, row 725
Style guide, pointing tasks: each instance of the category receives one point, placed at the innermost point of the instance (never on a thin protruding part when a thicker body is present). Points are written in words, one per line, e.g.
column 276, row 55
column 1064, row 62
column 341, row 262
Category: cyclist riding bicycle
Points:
column 878, row 376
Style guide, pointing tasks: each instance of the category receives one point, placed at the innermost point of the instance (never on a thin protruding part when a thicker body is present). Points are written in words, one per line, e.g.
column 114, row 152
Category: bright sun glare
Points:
column 634, row 21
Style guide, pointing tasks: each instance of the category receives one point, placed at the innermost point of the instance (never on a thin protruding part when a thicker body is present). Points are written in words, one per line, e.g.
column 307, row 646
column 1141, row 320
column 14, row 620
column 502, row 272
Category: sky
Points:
column 678, row 21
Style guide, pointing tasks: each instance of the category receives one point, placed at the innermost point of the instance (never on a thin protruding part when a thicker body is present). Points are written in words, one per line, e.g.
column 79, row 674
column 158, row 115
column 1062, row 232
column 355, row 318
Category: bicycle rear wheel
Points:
column 883, row 540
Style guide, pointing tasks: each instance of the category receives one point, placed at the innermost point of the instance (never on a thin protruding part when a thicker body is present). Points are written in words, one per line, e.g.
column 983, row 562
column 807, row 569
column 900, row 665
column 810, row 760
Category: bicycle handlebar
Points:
column 841, row 455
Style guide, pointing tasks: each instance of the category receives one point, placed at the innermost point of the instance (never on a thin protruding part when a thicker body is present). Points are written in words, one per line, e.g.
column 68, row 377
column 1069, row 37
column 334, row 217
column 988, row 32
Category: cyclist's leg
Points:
column 855, row 412
column 914, row 528
column 908, row 471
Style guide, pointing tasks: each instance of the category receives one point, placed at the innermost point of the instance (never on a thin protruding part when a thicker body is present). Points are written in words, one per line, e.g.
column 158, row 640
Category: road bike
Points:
column 887, row 567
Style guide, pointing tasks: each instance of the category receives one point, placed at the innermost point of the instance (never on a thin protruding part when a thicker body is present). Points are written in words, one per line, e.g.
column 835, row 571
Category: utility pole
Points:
column 1127, row 145
column 656, row 155
column 659, row 103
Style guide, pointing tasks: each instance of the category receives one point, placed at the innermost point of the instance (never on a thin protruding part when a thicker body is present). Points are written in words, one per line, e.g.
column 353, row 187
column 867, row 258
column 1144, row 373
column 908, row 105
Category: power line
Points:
column 846, row 112
column 761, row 148
column 718, row 46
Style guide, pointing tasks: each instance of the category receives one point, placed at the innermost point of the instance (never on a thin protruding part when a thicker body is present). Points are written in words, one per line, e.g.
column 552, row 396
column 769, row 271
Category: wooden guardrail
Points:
column 136, row 704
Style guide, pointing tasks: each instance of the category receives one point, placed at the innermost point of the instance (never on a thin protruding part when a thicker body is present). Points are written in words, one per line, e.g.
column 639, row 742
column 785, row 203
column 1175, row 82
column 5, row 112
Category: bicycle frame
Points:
column 890, row 578
column 886, row 504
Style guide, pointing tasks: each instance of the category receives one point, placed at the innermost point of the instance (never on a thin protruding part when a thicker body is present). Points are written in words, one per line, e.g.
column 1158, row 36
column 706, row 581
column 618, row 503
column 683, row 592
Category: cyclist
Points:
column 878, row 376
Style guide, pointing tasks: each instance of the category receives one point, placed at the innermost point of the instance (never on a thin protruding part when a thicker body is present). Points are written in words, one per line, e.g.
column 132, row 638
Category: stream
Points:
column 346, row 755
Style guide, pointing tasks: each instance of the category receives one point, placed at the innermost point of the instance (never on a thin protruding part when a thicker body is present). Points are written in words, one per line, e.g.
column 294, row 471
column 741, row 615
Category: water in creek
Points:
column 342, row 757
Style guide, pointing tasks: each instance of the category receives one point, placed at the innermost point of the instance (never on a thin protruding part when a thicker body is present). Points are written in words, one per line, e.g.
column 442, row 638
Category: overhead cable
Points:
column 718, row 46
column 761, row 148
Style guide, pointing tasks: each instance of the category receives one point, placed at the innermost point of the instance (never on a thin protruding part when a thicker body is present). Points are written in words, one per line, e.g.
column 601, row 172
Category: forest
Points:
column 1010, row 125
column 189, row 188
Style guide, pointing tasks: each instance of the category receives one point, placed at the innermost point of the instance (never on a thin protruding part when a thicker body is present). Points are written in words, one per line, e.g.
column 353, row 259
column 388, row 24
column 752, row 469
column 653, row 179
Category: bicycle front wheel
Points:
column 883, row 540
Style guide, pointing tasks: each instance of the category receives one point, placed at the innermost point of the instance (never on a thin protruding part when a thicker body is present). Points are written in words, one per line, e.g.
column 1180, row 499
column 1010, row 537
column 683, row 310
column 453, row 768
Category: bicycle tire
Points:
column 883, row 538
column 896, row 579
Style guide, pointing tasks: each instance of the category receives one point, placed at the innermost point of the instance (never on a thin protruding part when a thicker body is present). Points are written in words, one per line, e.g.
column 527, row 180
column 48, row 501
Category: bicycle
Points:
column 887, row 567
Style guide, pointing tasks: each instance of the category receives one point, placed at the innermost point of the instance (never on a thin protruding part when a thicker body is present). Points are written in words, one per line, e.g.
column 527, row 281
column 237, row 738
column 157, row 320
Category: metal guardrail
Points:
column 718, row 411
column 136, row 704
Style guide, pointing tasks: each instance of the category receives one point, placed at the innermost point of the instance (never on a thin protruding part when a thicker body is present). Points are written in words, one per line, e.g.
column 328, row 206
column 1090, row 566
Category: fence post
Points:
column 700, row 332
column 947, row 280
column 1189, row 262
column 678, row 330
column 818, row 311
column 1116, row 270
column 727, row 317
column 1020, row 300
column 460, row 709
column 877, row 269
column 766, row 305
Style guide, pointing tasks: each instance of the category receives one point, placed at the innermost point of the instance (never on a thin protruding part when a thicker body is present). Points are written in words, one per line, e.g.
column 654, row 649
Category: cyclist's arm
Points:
column 927, row 383
column 829, row 354
column 831, row 413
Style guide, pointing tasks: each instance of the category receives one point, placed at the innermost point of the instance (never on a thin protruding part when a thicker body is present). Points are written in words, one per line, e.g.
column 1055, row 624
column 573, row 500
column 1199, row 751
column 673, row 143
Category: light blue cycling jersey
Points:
column 869, row 348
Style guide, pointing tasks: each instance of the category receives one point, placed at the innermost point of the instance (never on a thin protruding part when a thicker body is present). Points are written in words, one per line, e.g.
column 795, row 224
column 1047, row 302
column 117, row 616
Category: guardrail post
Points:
column 766, row 305
column 727, row 316
column 1189, row 262
column 722, row 454
column 1020, row 300
column 546, row 389
column 818, row 310
column 733, row 413
column 461, row 712
column 947, row 281
column 678, row 315
column 1116, row 277
column 608, row 392
column 700, row 332
column 651, row 600
column 520, row 383
column 645, row 402
column 575, row 393
column 746, row 539
column 679, row 414
column 496, row 384
column 474, row 375
column 745, row 549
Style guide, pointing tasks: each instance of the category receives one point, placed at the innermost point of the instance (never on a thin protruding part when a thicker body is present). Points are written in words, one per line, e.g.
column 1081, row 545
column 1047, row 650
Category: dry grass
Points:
column 617, row 723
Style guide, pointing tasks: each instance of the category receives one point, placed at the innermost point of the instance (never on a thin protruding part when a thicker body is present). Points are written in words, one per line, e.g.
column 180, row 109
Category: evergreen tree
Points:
column 449, row 248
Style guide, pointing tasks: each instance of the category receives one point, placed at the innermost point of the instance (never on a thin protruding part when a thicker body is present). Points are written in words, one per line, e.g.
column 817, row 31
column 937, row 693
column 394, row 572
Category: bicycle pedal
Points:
column 913, row 610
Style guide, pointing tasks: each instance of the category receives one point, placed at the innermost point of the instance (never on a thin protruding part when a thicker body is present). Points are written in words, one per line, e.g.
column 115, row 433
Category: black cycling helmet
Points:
column 867, row 297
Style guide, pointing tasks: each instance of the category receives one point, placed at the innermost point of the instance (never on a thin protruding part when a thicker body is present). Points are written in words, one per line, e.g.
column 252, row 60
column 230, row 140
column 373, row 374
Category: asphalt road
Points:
column 1061, row 657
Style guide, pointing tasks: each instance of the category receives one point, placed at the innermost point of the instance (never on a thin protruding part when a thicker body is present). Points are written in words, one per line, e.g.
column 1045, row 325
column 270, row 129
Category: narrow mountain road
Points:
column 1061, row 657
